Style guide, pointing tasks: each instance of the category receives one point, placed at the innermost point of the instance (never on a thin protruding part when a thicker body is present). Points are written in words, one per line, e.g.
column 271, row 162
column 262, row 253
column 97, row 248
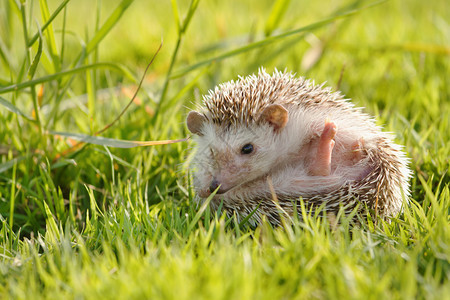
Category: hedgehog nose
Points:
column 214, row 185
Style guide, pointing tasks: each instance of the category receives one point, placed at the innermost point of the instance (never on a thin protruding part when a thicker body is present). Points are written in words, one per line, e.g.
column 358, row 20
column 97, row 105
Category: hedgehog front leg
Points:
column 321, row 165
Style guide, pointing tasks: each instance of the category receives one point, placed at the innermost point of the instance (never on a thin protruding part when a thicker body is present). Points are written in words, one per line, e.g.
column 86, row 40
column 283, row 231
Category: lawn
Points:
column 112, row 219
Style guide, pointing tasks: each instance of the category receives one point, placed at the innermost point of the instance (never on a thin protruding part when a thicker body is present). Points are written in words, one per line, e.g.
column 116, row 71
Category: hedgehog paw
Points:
column 321, row 165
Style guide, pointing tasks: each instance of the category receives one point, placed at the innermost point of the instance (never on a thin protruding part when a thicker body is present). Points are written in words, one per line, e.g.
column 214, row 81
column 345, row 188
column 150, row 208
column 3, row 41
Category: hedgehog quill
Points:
column 310, row 142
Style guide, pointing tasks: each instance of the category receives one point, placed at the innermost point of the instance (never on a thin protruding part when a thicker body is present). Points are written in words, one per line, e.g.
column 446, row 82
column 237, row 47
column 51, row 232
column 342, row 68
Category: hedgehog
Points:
column 264, row 142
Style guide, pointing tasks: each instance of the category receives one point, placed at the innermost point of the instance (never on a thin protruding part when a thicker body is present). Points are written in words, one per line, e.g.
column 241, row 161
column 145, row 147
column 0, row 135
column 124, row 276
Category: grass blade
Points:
column 176, row 14
column 49, row 33
column 249, row 216
column 192, row 8
column 12, row 108
column 199, row 213
column 102, row 141
column 108, row 25
column 12, row 196
column 278, row 10
column 5, row 55
column 48, row 22
column 35, row 61
column 9, row 164
column 22, row 85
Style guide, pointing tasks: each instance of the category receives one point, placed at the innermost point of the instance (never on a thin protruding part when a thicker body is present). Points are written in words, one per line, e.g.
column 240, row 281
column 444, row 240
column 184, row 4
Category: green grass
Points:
column 101, row 222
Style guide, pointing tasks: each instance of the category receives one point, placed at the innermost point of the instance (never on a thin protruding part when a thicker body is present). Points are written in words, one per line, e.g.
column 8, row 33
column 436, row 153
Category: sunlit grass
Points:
column 94, row 221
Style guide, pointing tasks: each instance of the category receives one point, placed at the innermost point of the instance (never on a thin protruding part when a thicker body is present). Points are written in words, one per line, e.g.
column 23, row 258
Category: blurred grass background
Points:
column 98, row 221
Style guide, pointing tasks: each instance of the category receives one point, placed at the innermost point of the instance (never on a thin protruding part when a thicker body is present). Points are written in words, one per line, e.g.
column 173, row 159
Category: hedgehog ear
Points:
column 276, row 115
column 194, row 122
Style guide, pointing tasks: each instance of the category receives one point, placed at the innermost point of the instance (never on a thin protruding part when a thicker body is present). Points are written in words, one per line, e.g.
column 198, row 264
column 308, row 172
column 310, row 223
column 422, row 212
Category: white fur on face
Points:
column 219, row 154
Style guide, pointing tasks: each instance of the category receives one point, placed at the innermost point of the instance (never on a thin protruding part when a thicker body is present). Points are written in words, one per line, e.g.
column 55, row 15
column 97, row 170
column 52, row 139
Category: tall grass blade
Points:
column 49, row 34
column 192, row 8
column 6, row 56
column 35, row 61
column 12, row 199
column 91, row 98
column 48, row 22
column 108, row 25
column 279, row 8
column 176, row 15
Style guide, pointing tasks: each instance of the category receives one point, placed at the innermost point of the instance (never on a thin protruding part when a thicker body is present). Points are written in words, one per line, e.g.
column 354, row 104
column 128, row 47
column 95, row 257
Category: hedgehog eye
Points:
column 247, row 149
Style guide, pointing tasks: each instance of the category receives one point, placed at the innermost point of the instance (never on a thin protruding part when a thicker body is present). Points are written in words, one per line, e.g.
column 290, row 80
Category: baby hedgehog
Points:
column 265, row 141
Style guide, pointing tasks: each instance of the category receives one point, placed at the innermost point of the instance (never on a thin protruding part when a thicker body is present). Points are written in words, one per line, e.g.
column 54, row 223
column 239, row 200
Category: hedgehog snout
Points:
column 214, row 185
